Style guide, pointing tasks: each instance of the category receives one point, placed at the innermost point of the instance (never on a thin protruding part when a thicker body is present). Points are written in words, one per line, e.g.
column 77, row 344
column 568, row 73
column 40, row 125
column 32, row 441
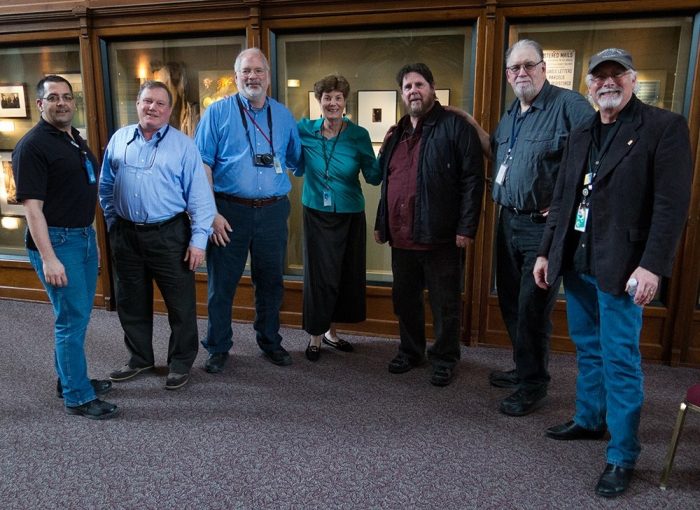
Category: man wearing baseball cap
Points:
column 618, row 212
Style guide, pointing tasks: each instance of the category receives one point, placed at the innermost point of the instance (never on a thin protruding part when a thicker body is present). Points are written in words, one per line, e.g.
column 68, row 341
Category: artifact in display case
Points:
column 185, row 114
column 8, row 191
column 215, row 86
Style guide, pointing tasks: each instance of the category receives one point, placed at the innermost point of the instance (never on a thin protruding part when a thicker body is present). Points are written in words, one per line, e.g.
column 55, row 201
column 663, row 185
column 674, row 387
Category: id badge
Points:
column 327, row 201
column 501, row 175
column 90, row 170
column 278, row 165
column 581, row 218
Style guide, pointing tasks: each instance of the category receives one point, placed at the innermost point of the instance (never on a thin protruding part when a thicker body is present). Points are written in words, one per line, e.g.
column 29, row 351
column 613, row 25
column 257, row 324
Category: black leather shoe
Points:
column 570, row 431
column 402, row 363
column 340, row 344
column 441, row 376
column 175, row 380
column 279, row 357
column 101, row 386
column 126, row 372
column 313, row 352
column 215, row 363
column 614, row 481
column 523, row 401
column 501, row 379
column 95, row 410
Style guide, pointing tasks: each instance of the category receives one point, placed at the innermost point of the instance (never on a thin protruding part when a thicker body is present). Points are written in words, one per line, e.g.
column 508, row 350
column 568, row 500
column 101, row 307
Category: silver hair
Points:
column 247, row 52
column 526, row 42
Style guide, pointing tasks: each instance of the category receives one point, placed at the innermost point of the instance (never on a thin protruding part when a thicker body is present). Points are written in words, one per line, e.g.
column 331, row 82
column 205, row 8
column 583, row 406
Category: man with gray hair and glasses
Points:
column 617, row 215
column 248, row 143
column 527, row 148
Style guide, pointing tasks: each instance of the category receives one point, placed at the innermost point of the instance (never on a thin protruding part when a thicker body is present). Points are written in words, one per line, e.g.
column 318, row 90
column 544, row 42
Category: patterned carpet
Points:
column 341, row 433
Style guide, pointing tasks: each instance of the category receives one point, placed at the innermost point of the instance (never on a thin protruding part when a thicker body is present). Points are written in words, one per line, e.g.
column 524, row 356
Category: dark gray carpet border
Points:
column 342, row 433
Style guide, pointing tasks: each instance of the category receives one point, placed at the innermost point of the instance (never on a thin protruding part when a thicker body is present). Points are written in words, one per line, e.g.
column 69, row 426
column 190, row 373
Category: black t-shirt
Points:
column 49, row 166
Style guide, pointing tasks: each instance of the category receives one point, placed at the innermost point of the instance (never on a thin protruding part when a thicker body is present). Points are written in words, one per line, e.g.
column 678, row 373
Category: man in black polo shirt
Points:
column 56, row 179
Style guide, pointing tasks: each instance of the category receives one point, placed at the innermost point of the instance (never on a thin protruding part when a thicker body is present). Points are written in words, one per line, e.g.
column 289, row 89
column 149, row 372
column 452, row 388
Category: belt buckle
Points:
column 258, row 202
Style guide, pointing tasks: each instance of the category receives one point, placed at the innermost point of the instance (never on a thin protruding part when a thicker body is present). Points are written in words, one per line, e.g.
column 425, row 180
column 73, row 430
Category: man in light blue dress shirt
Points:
column 248, row 143
column 159, row 210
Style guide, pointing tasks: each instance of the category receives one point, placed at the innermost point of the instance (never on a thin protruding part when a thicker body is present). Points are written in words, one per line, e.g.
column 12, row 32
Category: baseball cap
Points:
column 611, row 54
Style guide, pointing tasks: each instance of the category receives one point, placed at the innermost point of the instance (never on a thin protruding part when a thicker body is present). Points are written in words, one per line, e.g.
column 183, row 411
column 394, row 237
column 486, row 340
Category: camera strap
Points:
column 245, row 113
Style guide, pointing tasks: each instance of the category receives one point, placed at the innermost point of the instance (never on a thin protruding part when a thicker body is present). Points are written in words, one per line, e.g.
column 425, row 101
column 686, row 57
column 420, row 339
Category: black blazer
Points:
column 639, row 202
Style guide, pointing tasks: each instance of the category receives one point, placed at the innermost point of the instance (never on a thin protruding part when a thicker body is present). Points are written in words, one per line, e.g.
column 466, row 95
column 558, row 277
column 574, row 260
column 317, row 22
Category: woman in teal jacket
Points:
column 335, row 152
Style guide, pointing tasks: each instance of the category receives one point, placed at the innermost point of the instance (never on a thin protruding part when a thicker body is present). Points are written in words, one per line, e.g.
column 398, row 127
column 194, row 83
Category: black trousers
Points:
column 140, row 257
column 335, row 277
column 438, row 270
column 525, row 307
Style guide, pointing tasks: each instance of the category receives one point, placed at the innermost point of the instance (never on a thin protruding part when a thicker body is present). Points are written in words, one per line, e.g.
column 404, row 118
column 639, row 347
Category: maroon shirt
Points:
column 401, row 188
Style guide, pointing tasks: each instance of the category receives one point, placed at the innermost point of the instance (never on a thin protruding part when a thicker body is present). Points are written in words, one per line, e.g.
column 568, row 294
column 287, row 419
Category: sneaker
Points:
column 126, row 372
column 175, row 380
column 441, row 376
column 402, row 363
column 279, row 357
column 95, row 410
column 215, row 363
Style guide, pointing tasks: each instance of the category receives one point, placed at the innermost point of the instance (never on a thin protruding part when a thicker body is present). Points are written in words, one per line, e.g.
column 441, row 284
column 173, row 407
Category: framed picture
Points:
column 376, row 112
column 13, row 101
column 215, row 86
column 443, row 96
column 8, row 204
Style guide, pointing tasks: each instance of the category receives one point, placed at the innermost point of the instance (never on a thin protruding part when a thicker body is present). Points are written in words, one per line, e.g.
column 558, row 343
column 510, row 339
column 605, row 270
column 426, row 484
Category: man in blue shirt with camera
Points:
column 248, row 143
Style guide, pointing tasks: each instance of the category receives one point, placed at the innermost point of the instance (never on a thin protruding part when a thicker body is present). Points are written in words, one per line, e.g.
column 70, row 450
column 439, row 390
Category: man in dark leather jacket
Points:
column 429, row 209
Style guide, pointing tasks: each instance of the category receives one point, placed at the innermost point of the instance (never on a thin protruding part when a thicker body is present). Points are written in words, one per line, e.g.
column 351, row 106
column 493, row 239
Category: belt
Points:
column 142, row 227
column 249, row 202
column 535, row 216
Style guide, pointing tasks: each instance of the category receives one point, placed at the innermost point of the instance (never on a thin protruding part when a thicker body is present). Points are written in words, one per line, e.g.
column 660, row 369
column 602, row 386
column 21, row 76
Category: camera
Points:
column 264, row 160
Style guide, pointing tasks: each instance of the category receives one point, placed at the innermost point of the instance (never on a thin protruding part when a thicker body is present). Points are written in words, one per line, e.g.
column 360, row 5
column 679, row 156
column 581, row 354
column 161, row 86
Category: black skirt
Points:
column 334, row 269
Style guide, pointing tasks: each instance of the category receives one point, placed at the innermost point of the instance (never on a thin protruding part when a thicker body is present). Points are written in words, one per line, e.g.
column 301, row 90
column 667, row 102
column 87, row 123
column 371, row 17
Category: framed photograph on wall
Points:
column 376, row 112
column 8, row 204
column 443, row 96
column 13, row 101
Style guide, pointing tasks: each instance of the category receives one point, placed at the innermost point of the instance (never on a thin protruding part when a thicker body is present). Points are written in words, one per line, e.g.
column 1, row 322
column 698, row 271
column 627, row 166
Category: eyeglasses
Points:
column 258, row 71
column 600, row 78
column 528, row 66
column 55, row 98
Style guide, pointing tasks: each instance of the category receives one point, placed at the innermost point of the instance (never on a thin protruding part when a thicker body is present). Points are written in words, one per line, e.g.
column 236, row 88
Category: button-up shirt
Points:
column 150, row 181
column 537, row 148
column 230, row 152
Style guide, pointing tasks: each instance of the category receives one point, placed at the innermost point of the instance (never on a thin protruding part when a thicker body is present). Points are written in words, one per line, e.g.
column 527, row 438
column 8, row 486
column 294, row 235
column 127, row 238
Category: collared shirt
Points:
column 149, row 181
column 346, row 156
column 226, row 148
column 537, row 150
column 48, row 165
column 401, row 187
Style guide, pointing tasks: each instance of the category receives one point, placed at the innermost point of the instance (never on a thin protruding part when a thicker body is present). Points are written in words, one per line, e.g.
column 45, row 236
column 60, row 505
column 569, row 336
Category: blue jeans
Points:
column 72, row 304
column 262, row 232
column 609, row 385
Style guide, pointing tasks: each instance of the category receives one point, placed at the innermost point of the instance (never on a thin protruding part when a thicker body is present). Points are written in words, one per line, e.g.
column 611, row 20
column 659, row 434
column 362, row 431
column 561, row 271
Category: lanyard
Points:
column 328, row 157
column 518, row 121
column 85, row 162
column 155, row 150
column 244, row 113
